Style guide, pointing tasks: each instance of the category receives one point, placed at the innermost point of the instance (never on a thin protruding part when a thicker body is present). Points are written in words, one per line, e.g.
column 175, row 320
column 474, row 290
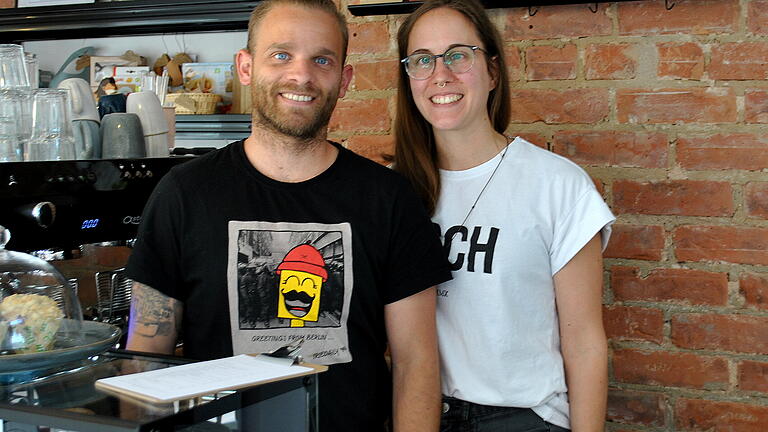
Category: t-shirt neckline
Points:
column 341, row 158
column 485, row 167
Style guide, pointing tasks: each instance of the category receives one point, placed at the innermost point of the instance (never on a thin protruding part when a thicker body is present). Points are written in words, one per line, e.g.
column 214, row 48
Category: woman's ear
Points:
column 493, row 70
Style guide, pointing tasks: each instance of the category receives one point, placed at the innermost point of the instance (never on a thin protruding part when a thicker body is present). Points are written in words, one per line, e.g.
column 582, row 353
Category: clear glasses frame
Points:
column 418, row 70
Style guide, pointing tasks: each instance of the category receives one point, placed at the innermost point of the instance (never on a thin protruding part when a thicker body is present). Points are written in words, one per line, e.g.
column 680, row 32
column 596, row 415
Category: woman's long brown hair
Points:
column 415, row 149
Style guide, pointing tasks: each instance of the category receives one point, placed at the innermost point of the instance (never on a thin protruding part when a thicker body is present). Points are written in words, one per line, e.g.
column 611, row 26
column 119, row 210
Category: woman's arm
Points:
column 578, row 293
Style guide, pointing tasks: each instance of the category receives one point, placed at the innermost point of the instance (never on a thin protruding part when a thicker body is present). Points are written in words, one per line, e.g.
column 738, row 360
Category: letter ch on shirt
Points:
column 290, row 281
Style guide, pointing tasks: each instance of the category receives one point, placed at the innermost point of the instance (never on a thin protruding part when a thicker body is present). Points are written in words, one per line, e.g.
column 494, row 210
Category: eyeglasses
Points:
column 458, row 59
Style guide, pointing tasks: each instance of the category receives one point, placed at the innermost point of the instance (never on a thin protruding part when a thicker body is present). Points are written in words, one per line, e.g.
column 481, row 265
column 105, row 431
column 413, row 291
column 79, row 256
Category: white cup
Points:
column 147, row 106
column 81, row 98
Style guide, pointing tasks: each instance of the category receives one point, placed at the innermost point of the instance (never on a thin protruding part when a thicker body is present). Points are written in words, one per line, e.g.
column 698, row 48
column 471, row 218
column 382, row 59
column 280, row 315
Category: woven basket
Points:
column 193, row 103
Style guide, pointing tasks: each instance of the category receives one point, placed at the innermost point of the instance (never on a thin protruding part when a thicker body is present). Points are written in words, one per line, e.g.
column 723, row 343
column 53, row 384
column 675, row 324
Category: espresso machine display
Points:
column 63, row 204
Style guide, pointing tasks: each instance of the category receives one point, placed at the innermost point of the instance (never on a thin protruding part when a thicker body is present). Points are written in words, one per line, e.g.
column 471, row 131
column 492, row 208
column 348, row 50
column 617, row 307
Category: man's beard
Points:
column 299, row 124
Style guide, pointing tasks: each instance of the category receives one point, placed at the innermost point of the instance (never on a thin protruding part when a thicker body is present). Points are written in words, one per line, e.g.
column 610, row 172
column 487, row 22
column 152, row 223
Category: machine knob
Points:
column 44, row 213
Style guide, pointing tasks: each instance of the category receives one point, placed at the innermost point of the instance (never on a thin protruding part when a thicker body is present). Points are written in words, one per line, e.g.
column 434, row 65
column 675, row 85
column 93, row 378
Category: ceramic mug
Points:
column 122, row 136
column 85, row 119
column 147, row 106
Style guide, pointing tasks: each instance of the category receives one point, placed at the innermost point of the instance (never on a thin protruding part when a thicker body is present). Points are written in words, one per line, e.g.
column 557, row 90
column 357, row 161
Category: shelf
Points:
column 118, row 18
column 408, row 7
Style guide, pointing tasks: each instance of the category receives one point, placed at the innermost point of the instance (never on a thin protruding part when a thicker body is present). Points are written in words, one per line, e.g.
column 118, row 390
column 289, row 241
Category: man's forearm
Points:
column 416, row 401
column 154, row 321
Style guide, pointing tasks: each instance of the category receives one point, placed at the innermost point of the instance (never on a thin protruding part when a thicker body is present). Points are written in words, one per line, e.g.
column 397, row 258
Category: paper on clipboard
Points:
column 203, row 378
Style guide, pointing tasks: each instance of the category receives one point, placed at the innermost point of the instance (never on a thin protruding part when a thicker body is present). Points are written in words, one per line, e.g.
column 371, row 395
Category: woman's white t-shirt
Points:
column 497, row 323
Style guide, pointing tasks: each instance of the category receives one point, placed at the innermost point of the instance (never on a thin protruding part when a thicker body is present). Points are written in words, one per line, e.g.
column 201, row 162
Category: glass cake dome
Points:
column 39, row 309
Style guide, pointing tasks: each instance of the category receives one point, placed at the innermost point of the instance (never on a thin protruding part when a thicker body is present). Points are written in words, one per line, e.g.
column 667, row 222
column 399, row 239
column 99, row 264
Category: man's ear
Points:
column 346, row 78
column 244, row 64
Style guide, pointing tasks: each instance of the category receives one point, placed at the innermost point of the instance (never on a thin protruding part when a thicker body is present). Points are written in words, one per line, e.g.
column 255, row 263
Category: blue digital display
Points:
column 89, row 224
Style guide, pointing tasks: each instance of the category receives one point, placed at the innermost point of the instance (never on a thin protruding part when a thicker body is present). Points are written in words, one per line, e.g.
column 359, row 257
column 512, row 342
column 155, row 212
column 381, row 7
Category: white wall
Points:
column 202, row 47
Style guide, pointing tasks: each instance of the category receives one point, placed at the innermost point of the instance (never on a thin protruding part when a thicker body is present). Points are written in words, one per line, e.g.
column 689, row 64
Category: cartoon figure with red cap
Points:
column 302, row 274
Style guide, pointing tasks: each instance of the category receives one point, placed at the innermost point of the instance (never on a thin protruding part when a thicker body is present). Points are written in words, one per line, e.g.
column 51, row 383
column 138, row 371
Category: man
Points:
column 287, row 236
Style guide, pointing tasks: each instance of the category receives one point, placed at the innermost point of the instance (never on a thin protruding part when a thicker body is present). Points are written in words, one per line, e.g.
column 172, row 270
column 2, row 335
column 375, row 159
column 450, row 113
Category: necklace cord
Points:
column 504, row 153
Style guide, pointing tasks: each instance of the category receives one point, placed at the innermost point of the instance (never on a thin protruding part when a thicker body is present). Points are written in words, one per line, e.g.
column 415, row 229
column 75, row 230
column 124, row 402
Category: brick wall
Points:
column 668, row 111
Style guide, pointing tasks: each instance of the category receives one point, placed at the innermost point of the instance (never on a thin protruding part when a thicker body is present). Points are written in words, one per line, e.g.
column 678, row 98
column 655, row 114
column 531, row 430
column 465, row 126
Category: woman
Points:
column 520, row 328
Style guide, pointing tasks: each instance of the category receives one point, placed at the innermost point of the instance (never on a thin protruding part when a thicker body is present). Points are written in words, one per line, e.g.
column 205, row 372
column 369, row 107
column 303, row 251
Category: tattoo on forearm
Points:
column 153, row 313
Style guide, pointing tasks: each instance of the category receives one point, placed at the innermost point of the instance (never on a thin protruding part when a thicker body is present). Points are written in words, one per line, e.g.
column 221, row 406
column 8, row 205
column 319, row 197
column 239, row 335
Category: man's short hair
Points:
column 327, row 6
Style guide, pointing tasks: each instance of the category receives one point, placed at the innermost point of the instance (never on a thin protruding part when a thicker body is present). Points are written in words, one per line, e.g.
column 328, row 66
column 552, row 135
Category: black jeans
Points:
column 462, row 416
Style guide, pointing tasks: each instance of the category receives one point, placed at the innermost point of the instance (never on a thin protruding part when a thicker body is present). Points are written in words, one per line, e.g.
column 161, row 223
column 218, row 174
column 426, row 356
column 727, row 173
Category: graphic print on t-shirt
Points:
column 471, row 253
column 290, row 281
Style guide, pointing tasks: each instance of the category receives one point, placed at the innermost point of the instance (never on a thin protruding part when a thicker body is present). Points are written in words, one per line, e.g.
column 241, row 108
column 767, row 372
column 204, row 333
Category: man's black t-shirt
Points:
column 316, row 260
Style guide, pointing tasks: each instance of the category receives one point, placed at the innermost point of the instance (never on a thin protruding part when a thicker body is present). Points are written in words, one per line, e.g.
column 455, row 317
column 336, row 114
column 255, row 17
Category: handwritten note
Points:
column 202, row 378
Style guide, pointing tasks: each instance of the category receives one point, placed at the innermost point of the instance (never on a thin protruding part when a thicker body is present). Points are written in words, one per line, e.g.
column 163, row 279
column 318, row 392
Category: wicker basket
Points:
column 193, row 103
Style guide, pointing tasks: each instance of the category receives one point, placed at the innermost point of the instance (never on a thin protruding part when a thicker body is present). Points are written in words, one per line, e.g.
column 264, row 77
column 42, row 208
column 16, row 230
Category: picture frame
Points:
column 104, row 67
column 35, row 3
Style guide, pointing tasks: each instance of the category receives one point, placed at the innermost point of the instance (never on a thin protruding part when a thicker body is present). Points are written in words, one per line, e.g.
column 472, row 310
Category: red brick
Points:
column 696, row 287
column 753, row 376
column 681, row 105
column 514, row 61
column 756, row 199
column 610, row 61
column 534, row 138
column 636, row 242
column 553, row 106
column 742, row 245
column 673, row 197
column 737, row 333
column 379, row 148
column 717, row 416
column 375, row 75
column 754, row 288
column 662, row 368
column 551, row 22
column 625, row 323
column 757, row 17
column 370, row 38
column 739, row 61
column 756, row 106
column 371, row 115
column 680, row 60
column 720, row 152
column 613, row 148
column 636, row 407
column 696, row 17
column 551, row 62
column 600, row 186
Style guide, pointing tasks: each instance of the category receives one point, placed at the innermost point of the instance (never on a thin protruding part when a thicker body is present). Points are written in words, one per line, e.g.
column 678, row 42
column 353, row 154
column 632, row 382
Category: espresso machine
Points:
column 60, row 205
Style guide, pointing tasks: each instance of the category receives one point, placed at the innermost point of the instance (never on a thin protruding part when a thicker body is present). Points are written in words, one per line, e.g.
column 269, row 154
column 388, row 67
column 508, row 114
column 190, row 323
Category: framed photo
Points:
column 105, row 67
column 33, row 3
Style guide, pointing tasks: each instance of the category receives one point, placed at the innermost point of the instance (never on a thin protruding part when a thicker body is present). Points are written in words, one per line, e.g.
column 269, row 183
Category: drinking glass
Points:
column 33, row 70
column 13, row 71
column 16, row 104
column 9, row 144
column 52, row 137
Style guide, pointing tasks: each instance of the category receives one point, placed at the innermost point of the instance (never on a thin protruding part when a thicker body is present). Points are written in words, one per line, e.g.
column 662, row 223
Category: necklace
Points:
column 504, row 153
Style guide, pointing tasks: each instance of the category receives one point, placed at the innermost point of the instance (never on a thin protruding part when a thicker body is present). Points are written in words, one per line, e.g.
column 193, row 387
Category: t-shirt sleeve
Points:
column 155, row 257
column 587, row 216
column 416, row 260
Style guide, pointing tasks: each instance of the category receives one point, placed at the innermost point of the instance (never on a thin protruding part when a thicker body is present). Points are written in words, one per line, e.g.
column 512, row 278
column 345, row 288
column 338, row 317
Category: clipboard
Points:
column 193, row 380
